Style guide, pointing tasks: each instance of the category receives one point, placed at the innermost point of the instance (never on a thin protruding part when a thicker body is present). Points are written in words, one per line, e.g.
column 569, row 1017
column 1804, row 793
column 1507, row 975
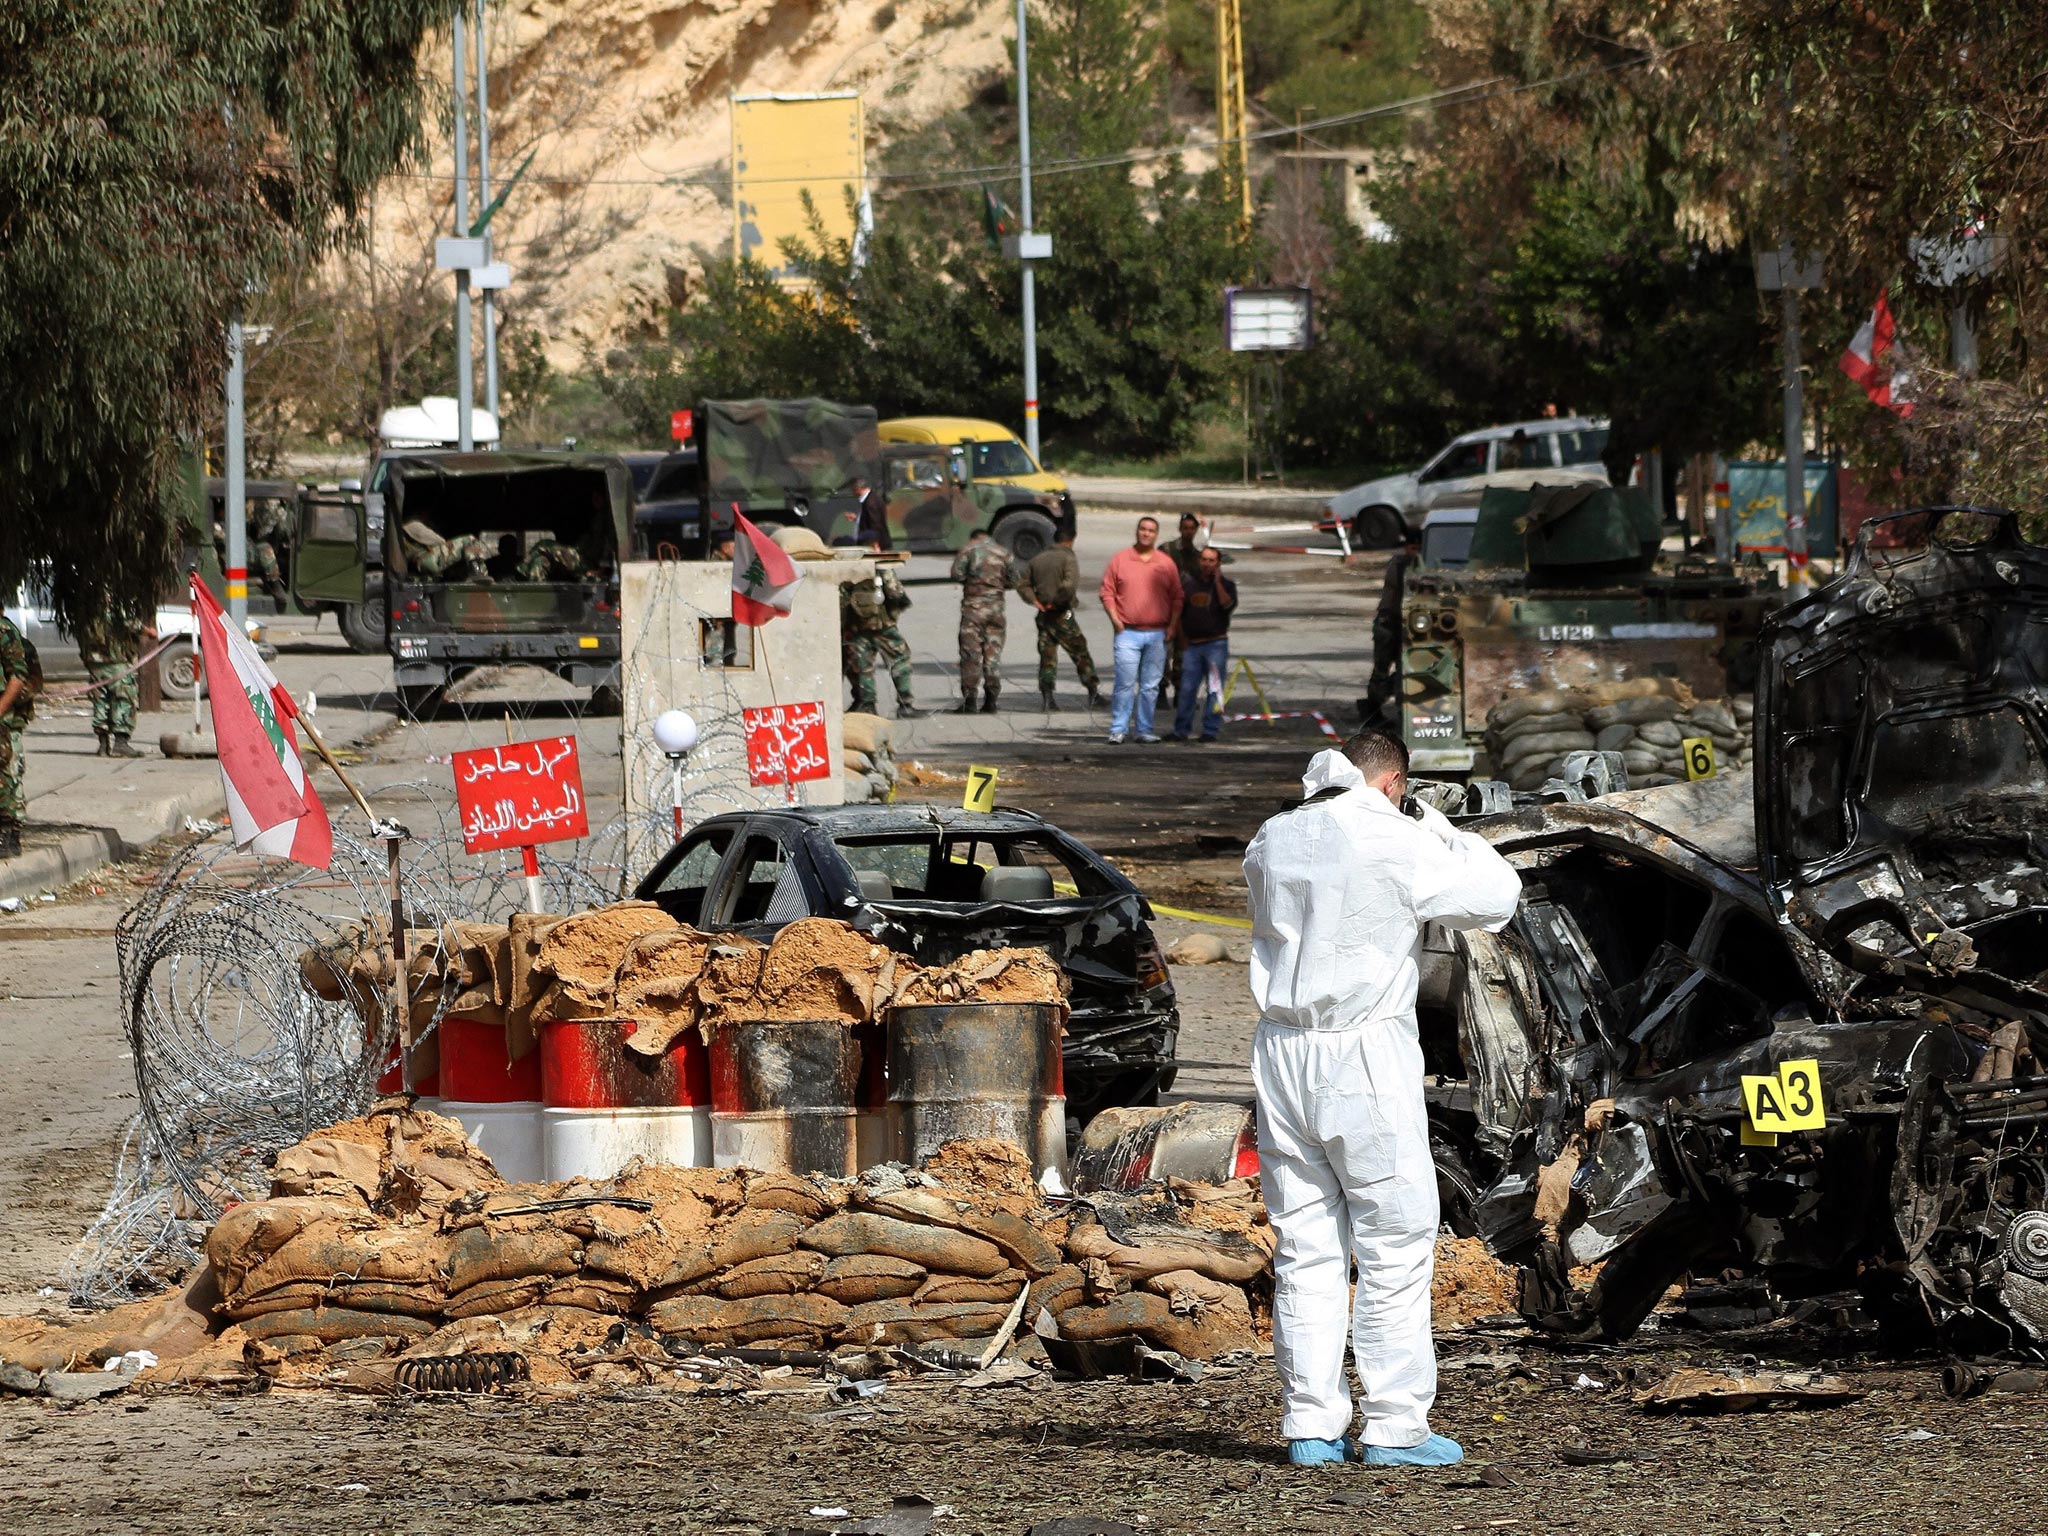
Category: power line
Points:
column 961, row 177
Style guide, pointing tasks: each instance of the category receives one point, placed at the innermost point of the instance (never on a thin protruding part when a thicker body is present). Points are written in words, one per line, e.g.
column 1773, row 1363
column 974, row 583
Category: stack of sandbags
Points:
column 1177, row 1268
column 867, row 768
column 1530, row 736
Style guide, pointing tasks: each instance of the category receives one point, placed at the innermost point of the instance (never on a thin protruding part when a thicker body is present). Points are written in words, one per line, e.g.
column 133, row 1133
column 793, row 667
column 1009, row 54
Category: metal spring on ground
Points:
column 462, row 1373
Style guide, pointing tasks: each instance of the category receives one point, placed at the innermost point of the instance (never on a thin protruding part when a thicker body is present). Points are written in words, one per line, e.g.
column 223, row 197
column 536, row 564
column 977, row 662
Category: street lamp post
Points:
column 1027, row 242
column 675, row 732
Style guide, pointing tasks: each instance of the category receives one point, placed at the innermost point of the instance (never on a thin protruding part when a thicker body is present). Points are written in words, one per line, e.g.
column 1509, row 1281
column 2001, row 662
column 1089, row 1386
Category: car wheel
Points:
column 362, row 624
column 180, row 673
column 1025, row 535
column 607, row 701
column 1378, row 528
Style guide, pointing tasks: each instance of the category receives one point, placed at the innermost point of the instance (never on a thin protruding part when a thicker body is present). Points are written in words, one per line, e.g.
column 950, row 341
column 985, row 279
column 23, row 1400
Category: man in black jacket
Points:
column 1208, row 599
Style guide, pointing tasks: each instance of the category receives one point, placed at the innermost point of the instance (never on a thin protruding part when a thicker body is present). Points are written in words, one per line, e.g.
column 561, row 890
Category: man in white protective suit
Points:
column 1341, row 886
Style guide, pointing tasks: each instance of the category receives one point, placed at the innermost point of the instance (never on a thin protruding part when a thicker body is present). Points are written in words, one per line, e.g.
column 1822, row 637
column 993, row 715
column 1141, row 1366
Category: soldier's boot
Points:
column 10, row 841
column 1052, row 705
column 274, row 585
column 905, row 710
column 1095, row 695
column 988, row 701
column 103, row 743
column 967, row 706
column 122, row 748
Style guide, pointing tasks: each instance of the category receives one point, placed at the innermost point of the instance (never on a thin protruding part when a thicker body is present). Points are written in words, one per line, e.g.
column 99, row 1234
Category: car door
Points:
column 1457, row 477
column 680, row 883
column 328, row 548
column 763, row 884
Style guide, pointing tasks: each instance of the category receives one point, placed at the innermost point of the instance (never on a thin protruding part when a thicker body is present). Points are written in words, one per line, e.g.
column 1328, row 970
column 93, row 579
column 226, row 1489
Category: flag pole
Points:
column 340, row 772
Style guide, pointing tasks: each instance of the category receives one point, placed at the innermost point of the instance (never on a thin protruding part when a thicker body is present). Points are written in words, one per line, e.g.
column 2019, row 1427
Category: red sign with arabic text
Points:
column 518, row 795
column 786, row 744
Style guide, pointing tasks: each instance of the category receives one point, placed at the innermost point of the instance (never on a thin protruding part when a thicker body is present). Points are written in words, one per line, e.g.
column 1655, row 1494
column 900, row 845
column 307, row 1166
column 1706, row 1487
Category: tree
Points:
column 158, row 163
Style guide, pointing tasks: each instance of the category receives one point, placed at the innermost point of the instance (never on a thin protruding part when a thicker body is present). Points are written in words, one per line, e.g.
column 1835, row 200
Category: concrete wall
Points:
column 794, row 660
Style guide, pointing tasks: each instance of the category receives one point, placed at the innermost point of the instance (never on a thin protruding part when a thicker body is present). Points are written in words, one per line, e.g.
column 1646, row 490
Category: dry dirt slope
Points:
column 624, row 104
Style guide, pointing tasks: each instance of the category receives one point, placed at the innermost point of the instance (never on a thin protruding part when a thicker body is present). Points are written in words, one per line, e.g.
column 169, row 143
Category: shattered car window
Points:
column 905, row 862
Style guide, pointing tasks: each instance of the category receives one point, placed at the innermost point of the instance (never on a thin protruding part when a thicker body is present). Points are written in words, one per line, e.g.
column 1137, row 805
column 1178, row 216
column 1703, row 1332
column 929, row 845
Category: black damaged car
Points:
column 935, row 883
column 1879, row 907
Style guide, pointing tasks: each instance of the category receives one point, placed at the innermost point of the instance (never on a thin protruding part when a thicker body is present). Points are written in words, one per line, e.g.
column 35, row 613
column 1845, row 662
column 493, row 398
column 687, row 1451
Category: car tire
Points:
column 180, row 673
column 1378, row 528
column 1025, row 535
column 607, row 701
column 362, row 624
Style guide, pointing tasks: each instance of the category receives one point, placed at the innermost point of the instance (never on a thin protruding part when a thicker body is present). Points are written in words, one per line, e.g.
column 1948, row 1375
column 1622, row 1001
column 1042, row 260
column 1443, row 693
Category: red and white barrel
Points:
column 427, row 1089
column 603, row 1105
column 496, row 1098
column 785, row 1096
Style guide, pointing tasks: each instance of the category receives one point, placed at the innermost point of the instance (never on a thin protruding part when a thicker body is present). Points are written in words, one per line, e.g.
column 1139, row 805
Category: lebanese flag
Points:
column 1864, row 361
column 764, row 578
column 271, row 804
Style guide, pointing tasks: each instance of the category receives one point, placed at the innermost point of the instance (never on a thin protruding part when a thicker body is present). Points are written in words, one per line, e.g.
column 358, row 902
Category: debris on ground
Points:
column 1695, row 1390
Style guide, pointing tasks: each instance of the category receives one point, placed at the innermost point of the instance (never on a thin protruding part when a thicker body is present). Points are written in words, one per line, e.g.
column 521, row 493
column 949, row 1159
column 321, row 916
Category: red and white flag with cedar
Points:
column 271, row 804
column 1864, row 361
column 764, row 578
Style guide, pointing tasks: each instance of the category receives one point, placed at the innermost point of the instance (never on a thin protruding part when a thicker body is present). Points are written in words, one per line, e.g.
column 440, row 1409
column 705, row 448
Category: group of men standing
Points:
column 1170, row 607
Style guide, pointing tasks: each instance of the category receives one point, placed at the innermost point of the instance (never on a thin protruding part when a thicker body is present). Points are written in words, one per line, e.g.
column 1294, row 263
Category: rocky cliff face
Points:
column 623, row 105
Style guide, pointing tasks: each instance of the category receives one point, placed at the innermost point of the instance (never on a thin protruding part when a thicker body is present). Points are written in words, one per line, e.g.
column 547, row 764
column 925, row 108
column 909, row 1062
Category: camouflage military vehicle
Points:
column 784, row 462
column 539, row 582
column 935, row 503
column 1559, row 587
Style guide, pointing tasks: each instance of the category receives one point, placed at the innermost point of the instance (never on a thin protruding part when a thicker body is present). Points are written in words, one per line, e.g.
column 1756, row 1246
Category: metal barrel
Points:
column 604, row 1105
column 496, row 1099
column 785, row 1096
column 980, row 1070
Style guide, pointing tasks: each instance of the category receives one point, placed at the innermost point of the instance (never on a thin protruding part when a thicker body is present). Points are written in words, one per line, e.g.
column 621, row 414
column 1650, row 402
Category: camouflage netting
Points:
column 392, row 1237
column 1530, row 736
column 630, row 960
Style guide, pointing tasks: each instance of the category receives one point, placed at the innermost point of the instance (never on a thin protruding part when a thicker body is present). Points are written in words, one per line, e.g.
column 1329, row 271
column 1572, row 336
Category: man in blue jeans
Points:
column 1207, row 600
column 1141, row 594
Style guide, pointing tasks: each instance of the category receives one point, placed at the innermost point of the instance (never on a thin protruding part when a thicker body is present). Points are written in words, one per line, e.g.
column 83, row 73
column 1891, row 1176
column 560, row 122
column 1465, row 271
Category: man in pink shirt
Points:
column 1141, row 593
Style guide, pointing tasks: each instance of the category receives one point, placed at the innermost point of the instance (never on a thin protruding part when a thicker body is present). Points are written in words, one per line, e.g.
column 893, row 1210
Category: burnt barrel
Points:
column 980, row 1070
column 785, row 1096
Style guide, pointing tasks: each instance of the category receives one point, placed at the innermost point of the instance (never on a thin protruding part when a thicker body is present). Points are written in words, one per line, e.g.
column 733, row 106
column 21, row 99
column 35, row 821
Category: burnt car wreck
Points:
column 1876, row 906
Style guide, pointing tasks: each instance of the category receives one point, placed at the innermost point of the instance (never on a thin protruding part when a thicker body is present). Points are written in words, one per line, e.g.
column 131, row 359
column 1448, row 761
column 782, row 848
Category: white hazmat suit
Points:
column 1340, row 889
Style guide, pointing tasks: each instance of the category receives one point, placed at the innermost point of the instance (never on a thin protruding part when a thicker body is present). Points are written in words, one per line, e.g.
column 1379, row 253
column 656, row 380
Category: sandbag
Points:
column 859, row 1278
column 410, row 1255
column 781, row 1274
column 592, row 1293
column 1632, row 712
column 1637, row 761
column 423, row 1300
column 1548, row 701
column 750, row 1234
column 1200, row 1336
column 331, row 1325
column 1713, row 719
column 1660, row 733
column 329, row 1167
column 901, row 1322
column 1615, row 738
column 809, row 1318
column 497, row 1296
column 787, row 1192
column 940, row 1249
column 1188, row 1290
column 1553, row 744
column 1055, row 1292
column 249, row 1233
column 1157, row 1255
column 1541, row 725
column 1023, row 1244
column 944, row 1289
column 490, row 1253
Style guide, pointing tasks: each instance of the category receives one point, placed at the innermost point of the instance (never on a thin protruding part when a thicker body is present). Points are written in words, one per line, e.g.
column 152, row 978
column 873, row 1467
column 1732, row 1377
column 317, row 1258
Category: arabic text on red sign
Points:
column 786, row 744
column 520, row 794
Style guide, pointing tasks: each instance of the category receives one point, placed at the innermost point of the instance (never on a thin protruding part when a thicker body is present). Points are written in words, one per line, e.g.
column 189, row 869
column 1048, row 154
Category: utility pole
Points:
column 234, row 513
column 1025, row 239
column 465, row 383
column 1233, row 146
column 483, row 200
column 1795, row 402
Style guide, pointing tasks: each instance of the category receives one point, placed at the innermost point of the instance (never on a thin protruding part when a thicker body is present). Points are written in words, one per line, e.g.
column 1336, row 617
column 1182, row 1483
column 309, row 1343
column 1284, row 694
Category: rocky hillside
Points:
column 623, row 105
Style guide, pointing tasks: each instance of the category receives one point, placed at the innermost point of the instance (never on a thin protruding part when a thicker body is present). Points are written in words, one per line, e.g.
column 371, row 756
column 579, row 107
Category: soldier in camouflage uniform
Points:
column 868, row 611
column 983, row 571
column 108, row 646
column 432, row 557
column 552, row 560
column 1050, row 583
column 17, row 705
column 269, row 528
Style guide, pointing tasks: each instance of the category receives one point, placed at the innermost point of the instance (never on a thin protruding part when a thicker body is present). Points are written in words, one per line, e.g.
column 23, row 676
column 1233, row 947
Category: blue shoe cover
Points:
column 1317, row 1453
column 1436, row 1451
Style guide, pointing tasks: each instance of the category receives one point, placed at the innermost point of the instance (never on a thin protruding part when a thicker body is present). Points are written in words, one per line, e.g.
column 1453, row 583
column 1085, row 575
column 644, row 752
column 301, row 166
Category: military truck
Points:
column 440, row 622
column 789, row 462
column 1559, row 587
column 935, row 503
